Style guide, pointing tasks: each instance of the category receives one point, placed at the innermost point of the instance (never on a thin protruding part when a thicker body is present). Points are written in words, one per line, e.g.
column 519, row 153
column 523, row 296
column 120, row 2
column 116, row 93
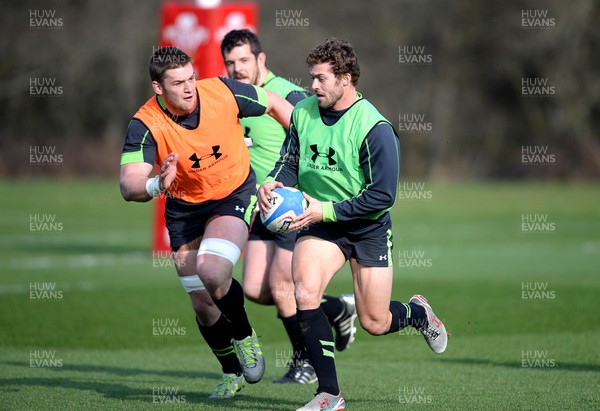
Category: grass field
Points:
column 512, row 269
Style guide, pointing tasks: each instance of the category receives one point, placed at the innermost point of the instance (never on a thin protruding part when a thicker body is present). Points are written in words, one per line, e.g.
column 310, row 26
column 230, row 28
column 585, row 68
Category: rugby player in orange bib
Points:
column 192, row 130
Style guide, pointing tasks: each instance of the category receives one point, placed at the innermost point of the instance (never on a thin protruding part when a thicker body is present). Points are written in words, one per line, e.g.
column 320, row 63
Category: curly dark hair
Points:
column 340, row 54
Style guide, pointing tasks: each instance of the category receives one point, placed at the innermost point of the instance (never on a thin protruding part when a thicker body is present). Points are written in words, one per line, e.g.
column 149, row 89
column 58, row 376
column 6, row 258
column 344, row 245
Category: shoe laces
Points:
column 247, row 350
column 225, row 386
column 431, row 333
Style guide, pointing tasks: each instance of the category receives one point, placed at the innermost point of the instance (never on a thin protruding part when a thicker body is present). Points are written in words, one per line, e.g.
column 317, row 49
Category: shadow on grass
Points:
column 155, row 394
column 121, row 371
column 122, row 392
column 558, row 365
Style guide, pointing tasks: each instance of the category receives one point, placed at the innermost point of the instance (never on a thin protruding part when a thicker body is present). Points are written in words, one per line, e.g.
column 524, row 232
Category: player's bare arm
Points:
column 279, row 108
column 134, row 179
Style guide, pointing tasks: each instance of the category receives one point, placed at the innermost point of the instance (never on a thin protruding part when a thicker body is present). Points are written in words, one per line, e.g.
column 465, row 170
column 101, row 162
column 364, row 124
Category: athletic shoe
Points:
column 301, row 374
column 434, row 332
column 325, row 402
column 229, row 386
column 344, row 323
column 251, row 358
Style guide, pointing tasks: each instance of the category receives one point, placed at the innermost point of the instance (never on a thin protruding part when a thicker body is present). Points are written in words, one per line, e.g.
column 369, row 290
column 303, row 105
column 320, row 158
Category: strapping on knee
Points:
column 220, row 247
column 192, row 283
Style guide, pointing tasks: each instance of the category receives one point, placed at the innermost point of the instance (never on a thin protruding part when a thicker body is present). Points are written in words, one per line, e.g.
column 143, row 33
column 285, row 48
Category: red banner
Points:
column 198, row 31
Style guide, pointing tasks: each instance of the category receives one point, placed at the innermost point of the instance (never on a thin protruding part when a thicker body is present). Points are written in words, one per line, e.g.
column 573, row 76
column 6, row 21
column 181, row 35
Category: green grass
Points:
column 477, row 260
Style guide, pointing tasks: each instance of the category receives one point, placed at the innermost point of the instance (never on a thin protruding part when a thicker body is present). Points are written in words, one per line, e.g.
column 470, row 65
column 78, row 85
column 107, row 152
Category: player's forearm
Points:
column 135, row 182
column 280, row 109
column 133, row 188
column 369, row 202
column 286, row 168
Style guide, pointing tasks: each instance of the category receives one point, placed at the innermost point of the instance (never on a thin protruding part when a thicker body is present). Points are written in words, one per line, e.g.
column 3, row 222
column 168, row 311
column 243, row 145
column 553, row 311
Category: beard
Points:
column 331, row 97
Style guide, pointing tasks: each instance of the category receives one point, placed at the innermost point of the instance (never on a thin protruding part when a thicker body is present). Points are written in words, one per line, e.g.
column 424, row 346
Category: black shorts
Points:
column 369, row 242
column 187, row 221
column 258, row 231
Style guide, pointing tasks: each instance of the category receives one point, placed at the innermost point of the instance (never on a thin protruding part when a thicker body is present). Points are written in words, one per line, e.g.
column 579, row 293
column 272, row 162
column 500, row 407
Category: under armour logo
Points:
column 324, row 402
column 383, row 257
column 238, row 208
column 437, row 322
column 197, row 159
column 329, row 154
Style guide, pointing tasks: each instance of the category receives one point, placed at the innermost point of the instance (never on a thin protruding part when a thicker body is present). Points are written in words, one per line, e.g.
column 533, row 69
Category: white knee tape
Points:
column 222, row 248
column 192, row 283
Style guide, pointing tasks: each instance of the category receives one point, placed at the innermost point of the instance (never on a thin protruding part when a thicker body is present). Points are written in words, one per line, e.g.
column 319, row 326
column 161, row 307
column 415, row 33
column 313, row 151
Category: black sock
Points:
column 404, row 315
column 318, row 340
column 218, row 337
column 293, row 331
column 332, row 307
column 232, row 306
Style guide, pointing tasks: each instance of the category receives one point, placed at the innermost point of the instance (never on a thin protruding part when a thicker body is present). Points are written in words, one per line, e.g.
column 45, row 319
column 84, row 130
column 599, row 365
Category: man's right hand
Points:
column 264, row 194
column 168, row 171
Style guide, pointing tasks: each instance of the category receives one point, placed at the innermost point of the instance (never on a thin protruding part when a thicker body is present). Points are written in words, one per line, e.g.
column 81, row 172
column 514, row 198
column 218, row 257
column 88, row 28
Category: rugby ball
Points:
column 286, row 204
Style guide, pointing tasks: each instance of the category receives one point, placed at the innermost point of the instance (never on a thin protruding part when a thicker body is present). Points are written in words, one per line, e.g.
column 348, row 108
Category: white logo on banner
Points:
column 186, row 33
column 234, row 21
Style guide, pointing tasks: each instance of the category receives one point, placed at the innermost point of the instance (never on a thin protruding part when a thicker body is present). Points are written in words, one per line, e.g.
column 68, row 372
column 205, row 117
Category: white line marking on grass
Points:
column 13, row 289
column 24, row 289
column 591, row 247
column 81, row 239
column 77, row 261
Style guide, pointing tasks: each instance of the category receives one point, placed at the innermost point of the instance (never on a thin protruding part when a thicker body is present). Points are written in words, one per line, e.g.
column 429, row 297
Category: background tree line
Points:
column 465, row 95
